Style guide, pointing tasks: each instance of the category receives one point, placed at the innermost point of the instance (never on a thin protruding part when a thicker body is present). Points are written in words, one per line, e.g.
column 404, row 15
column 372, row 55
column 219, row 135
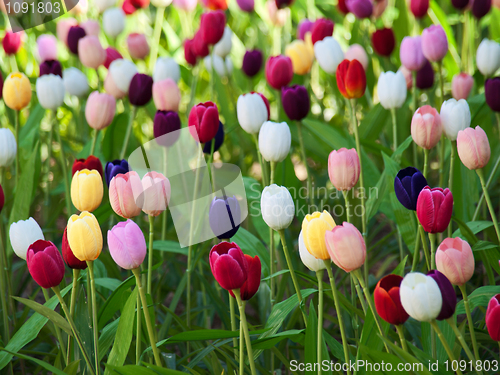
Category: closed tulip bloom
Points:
column 68, row 256
column 295, row 101
column 251, row 111
column 346, row 246
column 357, row 52
column 16, row 91
column 11, row 42
column 460, row 4
column 124, row 189
column 321, row 28
column 480, row 8
column 314, row 228
column 166, row 126
column 111, row 55
column 301, row 55
column 51, row 67
column 425, row 76
column 50, row 91
column 8, row 147
column 228, row 265
column 203, row 121
column 411, row 54
column 426, row 128
column 252, row 284
column 91, row 27
column 278, row 209
column 218, row 140
column 155, row 193
column 199, row 46
column 492, row 93
column 91, row 163
column 488, row 57
column 408, row 77
column 140, row 90
column 277, row 16
column 100, row 110
column 212, row 26
column 113, row 22
column 2, row 198
column 63, row 27
column 473, row 148
column 22, row 234
column 454, row 258
column 75, row 33
column 307, row 258
column 90, row 52
column 224, row 217
column 360, row 8
column 351, row 79
column 461, row 86
column 391, row 89
column 189, row 53
column 166, row 67
column 187, row 5
column 223, row 67
column 455, row 116
column 279, row 71
column 114, row 168
column 252, row 62
column 305, row 26
column 342, row 6
column 85, row 236
column 493, row 317
column 47, row 47
column 45, row 264
column 419, row 7
column 122, row 72
column 408, row 184
column 328, row 54
column 384, row 41
column 388, row 300
column 75, row 82
column 127, row 245
column 275, row 140
column 223, row 46
column 343, row 168
column 246, row 5
column 379, row 8
column 86, row 190
column 421, row 297
column 434, row 209
column 447, row 294
column 166, row 95
column 434, row 43
column 138, row 46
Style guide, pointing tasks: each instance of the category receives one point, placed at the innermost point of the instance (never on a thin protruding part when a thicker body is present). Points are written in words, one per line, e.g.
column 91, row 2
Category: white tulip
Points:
column 455, row 116
column 252, row 112
column 75, row 82
column 275, row 140
column 122, row 71
column 8, row 147
column 223, row 46
column 22, row 234
column 329, row 54
column 421, row 297
column 223, row 67
column 50, row 91
column 166, row 67
column 113, row 22
column 102, row 5
column 392, row 89
column 277, row 207
column 488, row 57
column 307, row 258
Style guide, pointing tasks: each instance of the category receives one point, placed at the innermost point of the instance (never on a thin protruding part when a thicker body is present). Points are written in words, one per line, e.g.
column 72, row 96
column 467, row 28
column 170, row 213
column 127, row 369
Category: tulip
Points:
column 266, row 102
column 228, row 265
column 346, row 246
column 461, row 86
column 278, row 209
column 447, row 293
column 218, row 140
column 155, row 193
column 102, row 5
column 434, row 209
column 91, row 27
column 480, row 8
column 22, row 234
column 493, row 317
column 384, row 41
column 91, row 163
column 140, row 90
column 379, row 8
column 90, row 52
column 388, row 300
column 2, row 198
column 84, row 236
column 357, row 52
column 189, row 54
column 100, row 110
column 138, row 46
column 426, row 128
column 113, row 22
column 252, row 112
column 455, row 116
column 86, row 190
column 252, row 62
column 8, row 147
column 473, row 148
column 279, row 71
column 123, row 190
column 166, row 95
column 460, row 4
column 199, row 46
column 302, row 56
column 45, row 264
column 295, row 102
column 434, row 43
column 75, row 82
column 411, row 54
column 75, row 33
column 252, row 284
column 343, row 168
column 277, row 16
column 419, row 8
column 212, row 26
column 391, row 89
column 203, row 121
column 50, row 91
column 121, row 72
column 114, row 168
column 47, row 47
column 425, row 76
column 187, row 5
column 304, row 27
column 280, row 4
column 342, row 6
column 275, row 140
column 16, row 91
column 408, row 184
column 223, row 67
column 421, row 297
column 68, row 255
column 223, row 46
column 63, row 27
column 454, row 258
column 246, row 5
column 166, row 67
column 215, row 4
column 360, row 8
column 127, row 245
column 224, row 217
column 488, row 57
column 314, row 228
column 321, row 28
column 492, row 93
column 128, row 8
column 329, row 54
column 307, row 258
column 51, row 67
column 166, row 122
column 351, row 79
column 11, row 42
column 111, row 55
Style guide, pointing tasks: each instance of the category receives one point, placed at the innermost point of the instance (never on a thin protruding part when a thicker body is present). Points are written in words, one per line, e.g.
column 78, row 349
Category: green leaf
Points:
column 170, row 247
column 115, row 301
column 400, row 269
column 479, row 297
column 310, row 344
column 470, row 229
column 39, row 362
column 54, row 317
column 251, row 245
column 268, row 342
column 72, row 367
column 376, row 356
column 483, row 245
column 408, row 358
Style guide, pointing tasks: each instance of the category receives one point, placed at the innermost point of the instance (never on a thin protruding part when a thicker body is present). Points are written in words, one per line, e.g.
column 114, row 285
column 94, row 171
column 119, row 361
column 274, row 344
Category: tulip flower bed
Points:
column 251, row 187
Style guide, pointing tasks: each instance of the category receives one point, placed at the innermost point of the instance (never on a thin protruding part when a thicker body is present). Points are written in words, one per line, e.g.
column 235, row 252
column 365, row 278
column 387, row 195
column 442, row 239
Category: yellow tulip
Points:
column 16, row 91
column 302, row 56
column 86, row 190
column 84, row 236
column 314, row 227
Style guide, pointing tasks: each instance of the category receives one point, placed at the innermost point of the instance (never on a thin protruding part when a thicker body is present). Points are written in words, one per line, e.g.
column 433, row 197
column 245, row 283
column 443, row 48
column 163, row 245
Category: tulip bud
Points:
column 425, row 76
column 473, row 148
column 63, row 27
column 277, row 16
column 155, row 193
column 16, row 91
column 11, row 42
column 246, row 5
column 166, row 95
column 8, row 147
column 279, row 71
column 434, row 43
column 141, row 89
column 68, row 255
column 492, row 93
column 454, row 258
column 278, row 209
column 91, row 27
column 128, row 8
column 47, row 47
column 203, row 121
column 314, row 228
column 252, row 112
column 138, row 46
column 421, row 297
column 166, row 122
column 480, row 8
column 275, row 140
column 357, row 52
column 411, row 54
column 302, row 56
column 50, row 91
column 408, row 184
column 212, row 26
column 360, row 8
column 388, row 300
column 121, row 72
column 114, row 168
column 351, row 79
column 391, row 89
column 342, row 7
column 166, row 67
column 224, row 217
column 111, row 55
column 307, row 258
column 228, row 265
column 75, row 82
column 455, row 116
column 434, row 209
column 419, row 8
column 199, row 46
column 84, row 236
column 426, row 127
column 45, row 264
column 51, row 67
column 305, row 26
column 223, row 67
column 22, row 234
column 91, row 163
column 2, row 198
column 75, row 33
column 295, row 101
column 493, row 317
column 383, row 41
column 252, row 62
column 100, row 110
column 252, row 284
column 86, row 190
column 329, row 54
column 187, row 5
column 488, row 57
column 461, row 86
column 447, row 294
column 123, row 190
column 189, row 54
column 321, row 28
column 460, row 4
column 346, row 246
column 343, row 168
column 127, row 245
column 113, row 22
column 90, row 52
column 223, row 46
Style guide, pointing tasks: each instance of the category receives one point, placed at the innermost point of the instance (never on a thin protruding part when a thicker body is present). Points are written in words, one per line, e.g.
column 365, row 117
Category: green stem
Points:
column 347, row 205
column 445, row 344
column 278, row 106
column 497, row 116
column 271, row 263
column 416, row 251
column 72, row 305
column 450, row 179
column 441, row 82
column 150, row 252
column 319, row 275
column 432, row 240
column 310, row 193
column 441, row 160
column 98, row 80
column 488, row 183
column 399, row 329
column 243, row 322
column 3, row 288
column 64, row 168
column 90, row 270
column 273, row 169
column 424, row 243
column 57, row 330
column 242, row 349
column 233, row 325
column 426, row 162
column 160, row 12
column 18, row 153
column 94, row 141
column 263, row 167
column 470, row 321
column 130, row 124
column 47, row 166
column 488, row 202
column 394, row 129
column 359, row 292
column 461, row 339
column 138, row 346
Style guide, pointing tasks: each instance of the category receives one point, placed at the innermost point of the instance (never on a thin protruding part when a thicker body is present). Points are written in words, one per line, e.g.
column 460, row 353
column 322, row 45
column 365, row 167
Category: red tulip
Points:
column 387, row 300
column 351, row 79
column 228, row 265
column 212, row 26
column 383, row 41
column 11, row 42
column 199, row 47
column 434, row 209
column 189, row 53
column 68, row 256
column 251, row 286
column 45, row 264
column 321, row 29
column 342, row 7
column 279, row 71
column 203, row 121
column 90, row 163
column 493, row 318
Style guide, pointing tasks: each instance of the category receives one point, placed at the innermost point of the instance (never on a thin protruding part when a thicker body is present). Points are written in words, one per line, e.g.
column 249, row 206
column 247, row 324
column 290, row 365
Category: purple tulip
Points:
column 460, row 4
column 246, row 5
column 447, row 293
column 425, row 76
column 219, row 139
column 411, row 54
column 140, row 90
column 360, row 8
column 115, row 167
column 492, row 93
column 224, row 217
column 51, row 67
column 434, row 43
column 480, row 8
column 252, row 62
column 75, row 33
column 166, row 122
column 408, row 184
column 304, row 27
column 295, row 101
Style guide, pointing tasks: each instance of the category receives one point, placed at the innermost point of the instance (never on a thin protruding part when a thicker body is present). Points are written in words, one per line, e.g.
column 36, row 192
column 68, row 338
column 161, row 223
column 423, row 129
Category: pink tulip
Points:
column 111, row 88
column 411, row 54
column 127, row 245
column 100, row 110
column 90, row 52
column 461, row 86
column 47, row 47
column 473, row 147
column 357, row 52
column 166, row 95
column 346, row 246
column 123, row 189
column 343, row 168
column 434, row 43
column 379, row 8
column 187, row 5
column 63, row 27
column 91, row 27
column 156, row 193
column 455, row 260
column 137, row 45
column 426, row 128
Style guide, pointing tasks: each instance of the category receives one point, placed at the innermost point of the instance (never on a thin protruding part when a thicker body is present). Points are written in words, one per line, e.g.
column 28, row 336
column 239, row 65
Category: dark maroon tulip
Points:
column 383, row 41
column 480, row 8
column 189, row 53
column 2, row 198
column 90, row 163
column 252, row 284
column 51, row 67
column 68, row 256
column 218, row 141
column 447, row 292
column 141, row 89
column 321, row 29
column 280, row 4
column 492, row 93
column 342, row 6
column 111, row 55
column 212, row 26
column 199, row 47
column 166, row 122
column 75, row 33
column 228, row 265
column 203, row 121
column 45, row 264
column 303, row 28
column 434, row 209
column 419, row 7
column 425, row 76
column 252, row 62
column 460, row 4
column 295, row 101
